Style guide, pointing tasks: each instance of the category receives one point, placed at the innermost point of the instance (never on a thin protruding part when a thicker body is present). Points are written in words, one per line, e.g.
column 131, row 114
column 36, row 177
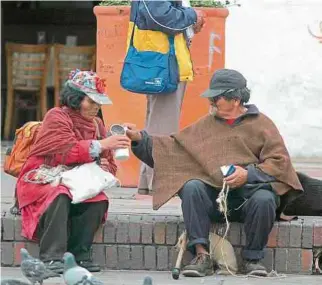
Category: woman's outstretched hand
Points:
column 115, row 142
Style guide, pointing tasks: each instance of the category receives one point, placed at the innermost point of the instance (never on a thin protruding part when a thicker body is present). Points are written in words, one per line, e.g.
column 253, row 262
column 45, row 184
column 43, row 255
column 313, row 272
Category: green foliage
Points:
column 115, row 3
column 208, row 3
column 194, row 3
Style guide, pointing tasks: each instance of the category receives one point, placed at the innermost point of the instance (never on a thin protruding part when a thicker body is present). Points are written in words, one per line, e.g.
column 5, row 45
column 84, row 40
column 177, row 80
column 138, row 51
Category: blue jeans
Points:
column 200, row 210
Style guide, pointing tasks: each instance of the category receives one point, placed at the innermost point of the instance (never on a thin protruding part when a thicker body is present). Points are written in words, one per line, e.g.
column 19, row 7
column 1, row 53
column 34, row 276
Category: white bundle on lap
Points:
column 87, row 180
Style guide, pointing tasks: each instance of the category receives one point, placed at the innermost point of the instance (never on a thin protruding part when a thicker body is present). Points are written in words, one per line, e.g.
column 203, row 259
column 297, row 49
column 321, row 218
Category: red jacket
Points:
column 34, row 199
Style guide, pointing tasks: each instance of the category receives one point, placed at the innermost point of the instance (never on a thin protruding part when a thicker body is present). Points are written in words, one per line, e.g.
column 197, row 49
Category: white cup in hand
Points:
column 120, row 153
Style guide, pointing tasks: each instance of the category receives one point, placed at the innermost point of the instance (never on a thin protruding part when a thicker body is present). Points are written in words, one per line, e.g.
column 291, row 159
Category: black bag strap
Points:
column 135, row 17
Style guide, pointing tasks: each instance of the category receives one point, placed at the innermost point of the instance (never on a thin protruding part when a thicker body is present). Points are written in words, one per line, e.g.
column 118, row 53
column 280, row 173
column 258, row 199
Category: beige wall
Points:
column 268, row 40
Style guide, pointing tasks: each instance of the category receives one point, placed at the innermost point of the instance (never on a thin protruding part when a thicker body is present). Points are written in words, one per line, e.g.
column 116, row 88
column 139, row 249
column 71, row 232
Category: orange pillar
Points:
column 208, row 54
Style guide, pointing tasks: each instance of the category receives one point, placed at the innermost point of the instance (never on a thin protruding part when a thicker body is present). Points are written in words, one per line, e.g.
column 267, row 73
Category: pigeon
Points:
column 74, row 274
column 147, row 280
column 34, row 269
column 13, row 282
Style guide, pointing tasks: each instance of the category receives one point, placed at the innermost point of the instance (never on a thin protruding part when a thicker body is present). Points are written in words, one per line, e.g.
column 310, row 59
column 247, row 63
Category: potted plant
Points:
column 194, row 3
column 207, row 52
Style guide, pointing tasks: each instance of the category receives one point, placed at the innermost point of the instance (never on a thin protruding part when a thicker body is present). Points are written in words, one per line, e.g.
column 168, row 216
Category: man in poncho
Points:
column 189, row 164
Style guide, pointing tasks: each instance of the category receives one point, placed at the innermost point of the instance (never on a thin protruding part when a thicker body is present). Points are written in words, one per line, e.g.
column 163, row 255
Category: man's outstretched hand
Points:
column 132, row 132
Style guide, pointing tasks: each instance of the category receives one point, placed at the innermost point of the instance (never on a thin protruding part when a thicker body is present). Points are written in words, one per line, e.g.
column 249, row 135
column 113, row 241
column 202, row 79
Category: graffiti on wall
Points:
column 316, row 35
column 213, row 48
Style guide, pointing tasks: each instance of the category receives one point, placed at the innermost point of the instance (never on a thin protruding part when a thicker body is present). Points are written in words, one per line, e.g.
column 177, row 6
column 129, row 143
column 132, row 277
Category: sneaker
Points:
column 202, row 265
column 89, row 265
column 55, row 266
column 254, row 267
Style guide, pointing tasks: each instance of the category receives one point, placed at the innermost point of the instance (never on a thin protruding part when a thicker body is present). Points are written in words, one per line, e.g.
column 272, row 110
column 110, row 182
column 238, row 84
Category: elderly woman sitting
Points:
column 70, row 135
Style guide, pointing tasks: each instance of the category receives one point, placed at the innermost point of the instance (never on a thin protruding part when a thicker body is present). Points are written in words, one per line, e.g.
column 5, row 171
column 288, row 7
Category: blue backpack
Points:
column 149, row 72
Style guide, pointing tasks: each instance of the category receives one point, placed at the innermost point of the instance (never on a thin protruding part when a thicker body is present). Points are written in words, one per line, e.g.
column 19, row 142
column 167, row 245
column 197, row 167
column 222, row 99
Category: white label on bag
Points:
column 155, row 82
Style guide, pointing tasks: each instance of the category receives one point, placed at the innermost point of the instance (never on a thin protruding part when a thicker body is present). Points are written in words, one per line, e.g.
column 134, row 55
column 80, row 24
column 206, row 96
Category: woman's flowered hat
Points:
column 89, row 83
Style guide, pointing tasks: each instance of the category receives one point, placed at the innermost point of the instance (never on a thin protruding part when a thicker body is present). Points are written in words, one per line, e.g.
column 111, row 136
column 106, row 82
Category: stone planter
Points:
column 208, row 54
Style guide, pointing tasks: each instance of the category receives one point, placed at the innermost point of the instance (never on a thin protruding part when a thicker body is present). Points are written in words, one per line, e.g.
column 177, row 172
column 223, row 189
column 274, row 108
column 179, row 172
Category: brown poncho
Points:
column 199, row 150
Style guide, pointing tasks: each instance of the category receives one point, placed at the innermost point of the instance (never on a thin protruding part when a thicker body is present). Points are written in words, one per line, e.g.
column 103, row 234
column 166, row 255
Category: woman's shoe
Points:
column 89, row 265
column 56, row 266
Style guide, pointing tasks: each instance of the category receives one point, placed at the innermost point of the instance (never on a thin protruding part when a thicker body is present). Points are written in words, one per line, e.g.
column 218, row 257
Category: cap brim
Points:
column 213, row 93
column 101, row 99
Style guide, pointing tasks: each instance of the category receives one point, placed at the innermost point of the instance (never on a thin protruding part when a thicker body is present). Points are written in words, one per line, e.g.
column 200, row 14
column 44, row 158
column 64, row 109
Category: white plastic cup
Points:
column 120, row 153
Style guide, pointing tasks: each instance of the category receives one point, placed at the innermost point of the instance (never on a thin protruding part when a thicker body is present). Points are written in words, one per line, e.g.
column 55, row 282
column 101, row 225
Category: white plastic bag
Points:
column 87, row 180
column 222, row 252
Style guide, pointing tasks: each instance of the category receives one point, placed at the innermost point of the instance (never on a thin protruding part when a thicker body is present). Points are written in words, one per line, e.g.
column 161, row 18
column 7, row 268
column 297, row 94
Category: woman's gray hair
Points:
column 242, row 94
column 71, row 98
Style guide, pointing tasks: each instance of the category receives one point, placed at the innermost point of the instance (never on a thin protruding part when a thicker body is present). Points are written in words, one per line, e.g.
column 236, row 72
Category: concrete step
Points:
column 146, row 242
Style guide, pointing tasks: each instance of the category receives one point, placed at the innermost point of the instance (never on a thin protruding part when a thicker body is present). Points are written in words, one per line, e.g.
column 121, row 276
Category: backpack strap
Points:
column 30, row 125
column 98, row 134
column 98, row 137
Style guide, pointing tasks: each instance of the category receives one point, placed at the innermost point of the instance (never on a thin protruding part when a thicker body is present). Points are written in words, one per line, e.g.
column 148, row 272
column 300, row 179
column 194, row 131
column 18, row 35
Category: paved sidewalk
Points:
column 160, row 278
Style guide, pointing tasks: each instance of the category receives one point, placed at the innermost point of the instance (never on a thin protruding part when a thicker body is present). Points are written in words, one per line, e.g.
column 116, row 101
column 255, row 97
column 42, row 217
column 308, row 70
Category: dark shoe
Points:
column 143, row 191
column 55, row 266
column 51, row 274
column 202, row 265
column 254, row 267
column 90, row 266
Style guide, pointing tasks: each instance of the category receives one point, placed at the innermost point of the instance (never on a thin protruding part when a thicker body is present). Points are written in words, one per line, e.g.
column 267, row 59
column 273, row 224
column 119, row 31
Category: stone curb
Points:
column 147, row 242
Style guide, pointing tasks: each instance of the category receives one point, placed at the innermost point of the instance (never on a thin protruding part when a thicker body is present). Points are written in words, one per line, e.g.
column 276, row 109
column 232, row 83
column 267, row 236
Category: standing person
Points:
column 155, row 20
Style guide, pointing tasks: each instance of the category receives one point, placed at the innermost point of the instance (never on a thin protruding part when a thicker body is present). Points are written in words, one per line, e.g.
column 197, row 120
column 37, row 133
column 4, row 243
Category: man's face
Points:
column 224, row 108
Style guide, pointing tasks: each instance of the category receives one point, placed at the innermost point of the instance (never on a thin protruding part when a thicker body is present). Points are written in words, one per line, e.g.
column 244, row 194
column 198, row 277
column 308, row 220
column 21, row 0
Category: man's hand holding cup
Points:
column 117, row 130
column 132, row 132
